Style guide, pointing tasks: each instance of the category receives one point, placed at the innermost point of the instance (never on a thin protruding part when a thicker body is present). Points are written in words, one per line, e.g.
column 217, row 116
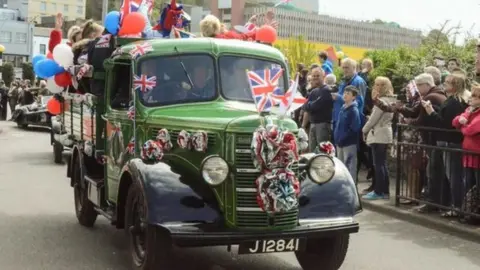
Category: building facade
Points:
column 16, row 36
column 71, row 9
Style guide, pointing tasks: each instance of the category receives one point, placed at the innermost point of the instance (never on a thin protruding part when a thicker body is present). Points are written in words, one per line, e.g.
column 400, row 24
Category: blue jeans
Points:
column 382, row 180
column 348, row 155
column 454, row 171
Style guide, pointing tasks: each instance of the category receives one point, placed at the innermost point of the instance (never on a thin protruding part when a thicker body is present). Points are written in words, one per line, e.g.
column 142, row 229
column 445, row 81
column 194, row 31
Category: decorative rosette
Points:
column 152, row 151
column 272, row 148
column 327, row 148
column 130, row 149
column 183, row 139
column 131, row 113
column 197, row 141
column 163, row 138
column 277, row 191
column 302, row 139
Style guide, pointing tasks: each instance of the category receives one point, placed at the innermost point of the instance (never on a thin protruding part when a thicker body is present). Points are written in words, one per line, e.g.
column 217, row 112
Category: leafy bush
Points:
column 297, row 50
column 8, row 73
column 27, row 71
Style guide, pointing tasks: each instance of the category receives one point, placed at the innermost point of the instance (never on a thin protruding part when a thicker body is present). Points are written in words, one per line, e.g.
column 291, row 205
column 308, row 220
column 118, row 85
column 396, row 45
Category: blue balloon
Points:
column 37, row 58
column 47, row 68
column 112, row 22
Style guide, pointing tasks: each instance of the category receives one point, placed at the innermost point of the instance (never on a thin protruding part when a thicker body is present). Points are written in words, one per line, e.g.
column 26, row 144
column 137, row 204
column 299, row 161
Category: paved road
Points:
column 38, row 229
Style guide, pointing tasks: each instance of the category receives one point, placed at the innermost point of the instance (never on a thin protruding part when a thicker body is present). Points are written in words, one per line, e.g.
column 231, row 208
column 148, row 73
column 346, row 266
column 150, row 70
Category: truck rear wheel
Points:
column 57, row 152
column 84, row 208
column 324, row 253
column 150, row 246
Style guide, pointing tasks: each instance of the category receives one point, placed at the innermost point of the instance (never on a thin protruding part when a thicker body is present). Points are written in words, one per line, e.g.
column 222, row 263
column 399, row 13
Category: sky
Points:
column 418, row 14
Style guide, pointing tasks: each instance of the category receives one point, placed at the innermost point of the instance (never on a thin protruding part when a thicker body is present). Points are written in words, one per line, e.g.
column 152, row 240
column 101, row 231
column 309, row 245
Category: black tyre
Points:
column 84, row 208
column 324, row 253
column 57, row 152
column 150, row 247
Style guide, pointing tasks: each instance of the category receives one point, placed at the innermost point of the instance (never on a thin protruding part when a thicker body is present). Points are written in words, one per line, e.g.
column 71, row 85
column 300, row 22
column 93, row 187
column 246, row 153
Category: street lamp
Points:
column 2, row 49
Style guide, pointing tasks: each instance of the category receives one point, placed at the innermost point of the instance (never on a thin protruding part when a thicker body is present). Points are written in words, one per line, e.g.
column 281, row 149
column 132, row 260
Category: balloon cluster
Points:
column 132, row 24
column 52, row 67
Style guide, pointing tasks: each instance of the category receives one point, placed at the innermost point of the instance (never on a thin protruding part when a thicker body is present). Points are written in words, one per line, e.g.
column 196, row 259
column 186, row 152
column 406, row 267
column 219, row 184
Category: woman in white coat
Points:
column 378, row 133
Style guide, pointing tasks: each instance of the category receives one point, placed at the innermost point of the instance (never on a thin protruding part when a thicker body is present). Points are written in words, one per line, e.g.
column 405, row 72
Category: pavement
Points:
column 408, row 213
column 39, row 231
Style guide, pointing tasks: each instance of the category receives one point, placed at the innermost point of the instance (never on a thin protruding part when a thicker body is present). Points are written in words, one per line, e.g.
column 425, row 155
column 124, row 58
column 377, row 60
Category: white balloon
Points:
column 53, row 87
column 63, row 55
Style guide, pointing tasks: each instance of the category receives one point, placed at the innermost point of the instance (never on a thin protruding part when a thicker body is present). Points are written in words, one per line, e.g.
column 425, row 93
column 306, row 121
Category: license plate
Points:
column 272, row 246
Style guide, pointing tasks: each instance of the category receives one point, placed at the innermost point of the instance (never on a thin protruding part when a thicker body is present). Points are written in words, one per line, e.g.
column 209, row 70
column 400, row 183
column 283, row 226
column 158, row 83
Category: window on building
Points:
column 21, row 38
column 79, row 9
column 54, row 6
column 7, row 16
column 43, row 49
column 65, row 8
column 5, row 36
column 43, row 6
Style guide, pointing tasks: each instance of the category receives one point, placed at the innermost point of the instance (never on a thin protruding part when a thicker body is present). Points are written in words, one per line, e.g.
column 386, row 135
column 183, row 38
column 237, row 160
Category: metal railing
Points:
column 432, row 160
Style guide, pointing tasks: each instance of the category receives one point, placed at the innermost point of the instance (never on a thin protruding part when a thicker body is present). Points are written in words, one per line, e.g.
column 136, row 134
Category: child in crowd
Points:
column 469, row 123
column 331, row 81
column 347, row 130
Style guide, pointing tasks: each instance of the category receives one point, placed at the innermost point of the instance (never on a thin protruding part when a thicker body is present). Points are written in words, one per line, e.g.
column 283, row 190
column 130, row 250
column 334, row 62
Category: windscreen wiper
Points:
column 184, row 69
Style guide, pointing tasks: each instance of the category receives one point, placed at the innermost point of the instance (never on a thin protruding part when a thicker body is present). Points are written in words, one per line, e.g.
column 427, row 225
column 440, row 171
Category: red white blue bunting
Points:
column 197, row 141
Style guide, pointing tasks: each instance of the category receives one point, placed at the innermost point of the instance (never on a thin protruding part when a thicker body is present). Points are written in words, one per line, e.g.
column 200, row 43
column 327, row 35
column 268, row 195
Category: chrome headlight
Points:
column 321, row 169
column 214, row 170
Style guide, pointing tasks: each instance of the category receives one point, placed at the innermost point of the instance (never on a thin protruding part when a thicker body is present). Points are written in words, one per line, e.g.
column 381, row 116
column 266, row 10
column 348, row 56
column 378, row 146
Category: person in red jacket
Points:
column 210, row 26
column 74, row 34
column 469, row 123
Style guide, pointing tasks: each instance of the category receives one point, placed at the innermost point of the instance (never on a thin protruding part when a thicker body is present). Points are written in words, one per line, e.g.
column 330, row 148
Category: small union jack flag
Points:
column 131, row 147
column 131, row 113
column 263, row 83
column 141, row 49
column 291, row 100
column 144, row 83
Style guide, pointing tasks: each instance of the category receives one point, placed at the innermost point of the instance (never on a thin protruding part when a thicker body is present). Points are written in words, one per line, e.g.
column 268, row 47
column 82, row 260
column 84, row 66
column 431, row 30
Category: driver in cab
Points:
column 174, row 85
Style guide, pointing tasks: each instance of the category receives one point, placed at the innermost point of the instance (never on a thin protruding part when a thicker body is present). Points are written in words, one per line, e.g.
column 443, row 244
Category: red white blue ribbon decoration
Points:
column 153, row 150
column 273, row 151
column 144, row 83
column 131, row 147
column 131, row 113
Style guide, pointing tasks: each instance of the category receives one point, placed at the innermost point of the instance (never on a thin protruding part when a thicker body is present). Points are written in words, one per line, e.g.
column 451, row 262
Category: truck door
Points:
column 119, row 127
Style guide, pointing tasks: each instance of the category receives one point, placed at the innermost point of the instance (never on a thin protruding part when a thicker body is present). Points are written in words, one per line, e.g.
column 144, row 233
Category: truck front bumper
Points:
column 200, row 235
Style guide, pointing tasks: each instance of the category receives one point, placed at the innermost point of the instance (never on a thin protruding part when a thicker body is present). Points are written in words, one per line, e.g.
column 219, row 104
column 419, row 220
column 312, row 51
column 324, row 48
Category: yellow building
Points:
column 71, row 9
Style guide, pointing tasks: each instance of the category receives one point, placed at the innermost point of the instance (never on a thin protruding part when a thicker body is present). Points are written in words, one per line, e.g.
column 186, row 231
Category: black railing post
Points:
column 398, row 179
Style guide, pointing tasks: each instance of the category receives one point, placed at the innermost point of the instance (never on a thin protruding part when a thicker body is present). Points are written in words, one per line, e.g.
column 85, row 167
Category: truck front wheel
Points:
column 84, row 208
column 324, row 253
column 150, row 246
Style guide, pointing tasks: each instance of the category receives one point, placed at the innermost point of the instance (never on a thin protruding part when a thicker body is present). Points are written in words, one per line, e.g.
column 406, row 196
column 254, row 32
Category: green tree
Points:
column 8, row 73
column 27, row 71
column 297, row 50
column 404, row 63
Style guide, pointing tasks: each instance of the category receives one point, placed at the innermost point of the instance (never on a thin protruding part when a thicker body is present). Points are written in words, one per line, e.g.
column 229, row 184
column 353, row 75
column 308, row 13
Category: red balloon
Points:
column 50, row 55
column 266, row 34
column 54, row 106
column 63, row 79
column 132, row 24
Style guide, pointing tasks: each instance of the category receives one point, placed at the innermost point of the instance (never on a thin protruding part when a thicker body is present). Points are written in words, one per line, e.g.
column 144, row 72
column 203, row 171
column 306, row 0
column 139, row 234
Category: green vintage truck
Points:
column 184, row 159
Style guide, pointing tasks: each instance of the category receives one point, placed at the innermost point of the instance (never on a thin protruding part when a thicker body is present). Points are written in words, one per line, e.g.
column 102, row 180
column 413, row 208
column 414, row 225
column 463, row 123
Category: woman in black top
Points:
column 455, row 104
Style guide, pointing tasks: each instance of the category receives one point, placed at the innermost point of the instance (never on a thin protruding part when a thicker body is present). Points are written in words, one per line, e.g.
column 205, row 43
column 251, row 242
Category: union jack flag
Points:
column 291, row 100
column 412, row 86
column 144, row 83
column 129, row 6
column 141, row 49
column 263, row 83
column 131, row 147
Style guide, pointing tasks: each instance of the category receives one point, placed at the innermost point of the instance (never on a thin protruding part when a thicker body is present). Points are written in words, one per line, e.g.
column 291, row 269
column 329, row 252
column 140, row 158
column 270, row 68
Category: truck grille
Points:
column 248, row 212
column 174, row 135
